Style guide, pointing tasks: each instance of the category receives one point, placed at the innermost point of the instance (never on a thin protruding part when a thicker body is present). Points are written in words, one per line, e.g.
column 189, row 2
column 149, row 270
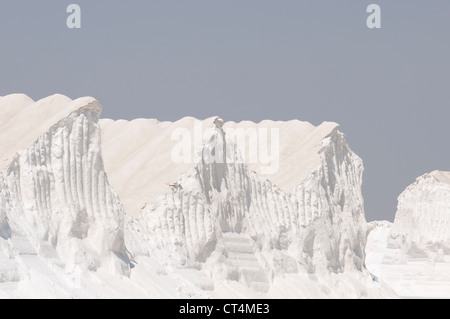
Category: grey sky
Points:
column 253, row 59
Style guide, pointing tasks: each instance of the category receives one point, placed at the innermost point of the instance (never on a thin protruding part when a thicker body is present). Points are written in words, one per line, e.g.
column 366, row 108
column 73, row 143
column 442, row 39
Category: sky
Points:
column 388, row 88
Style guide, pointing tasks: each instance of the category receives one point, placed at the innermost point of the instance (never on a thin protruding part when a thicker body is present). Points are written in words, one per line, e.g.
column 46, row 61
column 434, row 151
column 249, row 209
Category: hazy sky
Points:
column 253, row 59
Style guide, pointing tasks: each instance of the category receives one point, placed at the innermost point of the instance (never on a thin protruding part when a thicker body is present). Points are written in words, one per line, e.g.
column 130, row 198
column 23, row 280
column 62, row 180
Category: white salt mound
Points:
column 222, row 230
column 412, row 255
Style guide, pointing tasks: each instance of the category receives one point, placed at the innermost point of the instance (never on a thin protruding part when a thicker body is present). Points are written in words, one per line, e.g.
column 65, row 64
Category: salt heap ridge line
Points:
column 138, row 154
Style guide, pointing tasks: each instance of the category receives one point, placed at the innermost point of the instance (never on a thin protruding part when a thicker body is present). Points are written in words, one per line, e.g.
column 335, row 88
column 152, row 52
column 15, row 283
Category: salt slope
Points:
column 422, row 220
column 58, row 214
column 227, row 221
column 137, row 154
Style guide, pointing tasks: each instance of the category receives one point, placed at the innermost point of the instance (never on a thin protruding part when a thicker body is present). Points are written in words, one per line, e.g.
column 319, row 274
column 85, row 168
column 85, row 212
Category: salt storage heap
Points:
column 93, row 208
column 423, row 214
column 413, row 254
